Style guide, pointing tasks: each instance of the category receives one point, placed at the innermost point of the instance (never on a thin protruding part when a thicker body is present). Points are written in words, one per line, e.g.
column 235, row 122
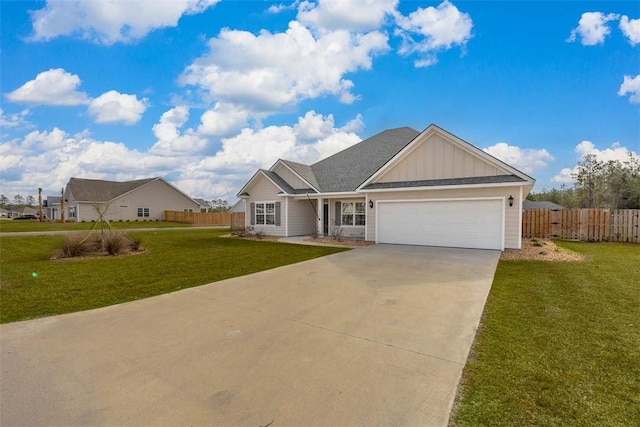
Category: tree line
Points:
column 18, row 201
column 603, row 184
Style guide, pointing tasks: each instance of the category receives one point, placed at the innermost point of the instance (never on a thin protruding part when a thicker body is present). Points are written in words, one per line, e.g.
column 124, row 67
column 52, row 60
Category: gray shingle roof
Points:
column 97, row 190
column 346, row 170
column 449, row 181
column 530, row 204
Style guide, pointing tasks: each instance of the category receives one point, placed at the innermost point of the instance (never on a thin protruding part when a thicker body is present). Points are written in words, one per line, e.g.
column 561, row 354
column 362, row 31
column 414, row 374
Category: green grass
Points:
column 29, row 225
column 174, row 260
column 559, row 344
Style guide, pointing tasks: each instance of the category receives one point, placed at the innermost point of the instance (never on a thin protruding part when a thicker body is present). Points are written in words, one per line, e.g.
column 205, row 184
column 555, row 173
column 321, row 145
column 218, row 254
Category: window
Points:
column 265, row 213
column 188, row 210
column 72, row 212
column 353, row 213
column 143, row 212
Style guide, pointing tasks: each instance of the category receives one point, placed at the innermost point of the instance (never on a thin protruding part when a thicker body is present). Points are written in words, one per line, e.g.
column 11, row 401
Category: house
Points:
column 203, row 205
column 532, row 204
column 51, row 207
column 238, row 206
column 400, row 186
column 139, row 200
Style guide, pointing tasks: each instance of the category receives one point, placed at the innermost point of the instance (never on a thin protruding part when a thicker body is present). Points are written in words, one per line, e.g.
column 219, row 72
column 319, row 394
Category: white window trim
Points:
column 265, row 213
column 342, row 224
column 143, row 215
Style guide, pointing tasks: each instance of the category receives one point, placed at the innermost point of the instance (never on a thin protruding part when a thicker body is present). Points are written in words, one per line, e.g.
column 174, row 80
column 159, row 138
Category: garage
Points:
column 459, row 223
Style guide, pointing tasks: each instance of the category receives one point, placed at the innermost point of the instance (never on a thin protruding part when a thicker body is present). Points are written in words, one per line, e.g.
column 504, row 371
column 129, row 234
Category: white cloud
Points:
column 353, row 15
column 592, row 28
column 52, row 87
column 631, row 29
column 525, row 159
column 110, row 21
column 614, row 152
column 631, row 85
column 312, row 138
column 223, row 120
column 113, row 107
column 13, row 120
column 171, row 142
column 267, row 72
column 431, row 29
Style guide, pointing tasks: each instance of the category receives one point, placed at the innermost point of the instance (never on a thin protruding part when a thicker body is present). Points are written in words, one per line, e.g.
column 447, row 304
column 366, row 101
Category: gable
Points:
column 289, row 176
column 435, row 155
column 260, row 187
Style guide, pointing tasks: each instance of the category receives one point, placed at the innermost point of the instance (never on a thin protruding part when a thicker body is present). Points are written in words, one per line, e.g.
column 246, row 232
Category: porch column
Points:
column 320, row 210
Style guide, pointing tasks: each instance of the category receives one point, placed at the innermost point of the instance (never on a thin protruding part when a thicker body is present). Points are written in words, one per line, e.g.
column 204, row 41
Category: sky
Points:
column 205, row 92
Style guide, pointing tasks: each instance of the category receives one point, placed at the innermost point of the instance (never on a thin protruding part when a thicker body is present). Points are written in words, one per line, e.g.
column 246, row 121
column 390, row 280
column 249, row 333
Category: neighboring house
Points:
column 399, row 186
column 530, row 204
column 51, row 208
column 203, row 205
column 239, row 206
column 4, row 213
column 141, row 200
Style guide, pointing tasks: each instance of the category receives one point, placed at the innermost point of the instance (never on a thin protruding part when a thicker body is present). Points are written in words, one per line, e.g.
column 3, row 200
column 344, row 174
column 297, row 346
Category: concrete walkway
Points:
column 375, row 336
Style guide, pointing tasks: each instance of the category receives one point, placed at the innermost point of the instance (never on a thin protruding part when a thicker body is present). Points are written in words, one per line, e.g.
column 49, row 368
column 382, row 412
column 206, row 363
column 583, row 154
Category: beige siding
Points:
column 263, row 190
column 157, row 195
column 291, row 178
column 302, row 217
column 439, row 158
column 512, row 213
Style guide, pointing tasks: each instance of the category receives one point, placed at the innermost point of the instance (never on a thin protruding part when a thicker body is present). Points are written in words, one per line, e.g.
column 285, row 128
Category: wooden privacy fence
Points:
column 590, row 225
column 237, row 220
column 199, row 218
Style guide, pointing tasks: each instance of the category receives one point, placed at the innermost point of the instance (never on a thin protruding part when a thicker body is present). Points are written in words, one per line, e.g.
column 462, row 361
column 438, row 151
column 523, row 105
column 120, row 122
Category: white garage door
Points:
column 453, row 223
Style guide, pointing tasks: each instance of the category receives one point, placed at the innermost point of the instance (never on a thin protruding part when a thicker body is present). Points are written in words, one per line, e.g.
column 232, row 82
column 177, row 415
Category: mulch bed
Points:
column 541, row 250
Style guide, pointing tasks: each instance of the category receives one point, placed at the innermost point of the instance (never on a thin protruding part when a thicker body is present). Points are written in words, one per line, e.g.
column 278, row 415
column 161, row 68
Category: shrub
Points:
column 76, row 245
column 135, row 244
column 115, row 243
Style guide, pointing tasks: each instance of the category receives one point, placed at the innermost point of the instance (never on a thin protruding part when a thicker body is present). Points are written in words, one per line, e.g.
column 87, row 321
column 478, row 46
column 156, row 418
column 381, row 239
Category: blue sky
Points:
column 204, row 92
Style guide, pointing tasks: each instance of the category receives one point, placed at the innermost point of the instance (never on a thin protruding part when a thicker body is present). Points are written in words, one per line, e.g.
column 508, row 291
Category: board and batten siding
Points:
column 512, row 230
column 436, row 158
column 263, row 190
column 291, row 178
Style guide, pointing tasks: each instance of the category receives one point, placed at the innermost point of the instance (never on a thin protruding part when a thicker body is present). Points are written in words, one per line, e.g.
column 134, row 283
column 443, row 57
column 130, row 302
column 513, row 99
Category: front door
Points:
column 325, row 219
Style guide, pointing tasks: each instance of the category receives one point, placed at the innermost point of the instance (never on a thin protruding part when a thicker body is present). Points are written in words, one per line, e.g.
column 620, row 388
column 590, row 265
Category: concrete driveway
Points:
column 373, row 336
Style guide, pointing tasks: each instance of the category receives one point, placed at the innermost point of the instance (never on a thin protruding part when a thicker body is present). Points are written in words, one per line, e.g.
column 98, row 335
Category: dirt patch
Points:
column 346, row 242
column 541, row 250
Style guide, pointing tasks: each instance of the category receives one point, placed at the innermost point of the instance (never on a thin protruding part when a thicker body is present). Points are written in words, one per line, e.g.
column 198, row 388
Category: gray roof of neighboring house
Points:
column 53, row 200
column 448, row 181
column 97, row 190
column 201, row 202
column 346, row 170
column 531, row 204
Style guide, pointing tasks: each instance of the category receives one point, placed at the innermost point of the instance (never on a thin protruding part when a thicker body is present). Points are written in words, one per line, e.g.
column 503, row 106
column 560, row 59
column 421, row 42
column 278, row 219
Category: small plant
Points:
column 337, row 232
column 259, row 234
column 115, row 243
column 243, row 232
column 135, row 244
column 75, row 245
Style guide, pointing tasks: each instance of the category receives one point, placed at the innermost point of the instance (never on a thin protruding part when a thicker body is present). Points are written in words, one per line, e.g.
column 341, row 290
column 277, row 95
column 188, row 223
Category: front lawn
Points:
column 33, row 285
column 559, row 343
column 8, row 225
